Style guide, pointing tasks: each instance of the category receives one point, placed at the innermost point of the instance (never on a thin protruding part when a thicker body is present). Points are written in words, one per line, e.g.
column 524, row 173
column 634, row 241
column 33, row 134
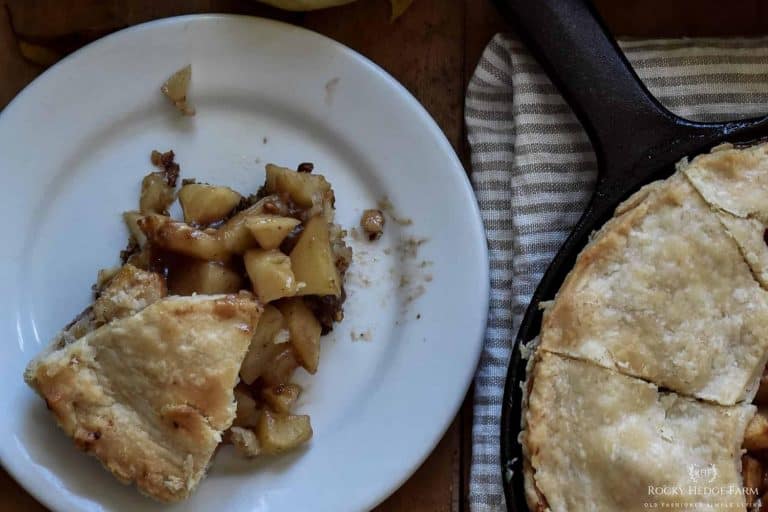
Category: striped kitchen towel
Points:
column 533, row 170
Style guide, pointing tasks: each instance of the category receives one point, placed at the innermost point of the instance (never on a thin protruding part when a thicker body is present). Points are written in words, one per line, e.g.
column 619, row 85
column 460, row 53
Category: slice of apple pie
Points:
column 150, row 394
column 172, row 358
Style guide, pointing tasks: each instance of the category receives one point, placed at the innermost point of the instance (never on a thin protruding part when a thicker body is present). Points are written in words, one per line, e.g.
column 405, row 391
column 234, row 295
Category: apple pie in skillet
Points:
column 636, row 380
column 641, row 385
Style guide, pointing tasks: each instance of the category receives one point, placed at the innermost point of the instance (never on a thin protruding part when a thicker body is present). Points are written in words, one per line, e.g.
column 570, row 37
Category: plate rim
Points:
column 472, row 208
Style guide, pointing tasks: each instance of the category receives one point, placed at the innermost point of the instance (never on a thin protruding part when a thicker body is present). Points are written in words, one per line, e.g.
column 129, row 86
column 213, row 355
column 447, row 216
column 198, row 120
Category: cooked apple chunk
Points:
column 131, row 219
column 205, row 204
column 278, row 433
column 263, row 348
column 304, row 189
column 205, row 277
column 271, row 275
column 156, row 193
column 756, row 435
column 752, row 473
column 304, row 331
column 312, row 260
column 235, row 234
column 245, row 441
column 179, row 237
column 270, row 230
column 282, row 397
column 280, row 369
column 248, row 411
column 176, row 89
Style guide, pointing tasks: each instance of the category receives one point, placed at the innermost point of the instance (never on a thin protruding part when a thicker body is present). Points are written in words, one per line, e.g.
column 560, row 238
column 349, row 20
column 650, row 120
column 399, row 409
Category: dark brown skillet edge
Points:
column 635, row 139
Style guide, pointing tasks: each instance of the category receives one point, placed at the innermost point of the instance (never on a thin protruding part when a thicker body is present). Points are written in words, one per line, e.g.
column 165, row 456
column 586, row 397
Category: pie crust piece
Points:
column 150, row 394
column 734, row 180
column 735, row 183
column 663, row 293
column 125, row 293
column 599, row 440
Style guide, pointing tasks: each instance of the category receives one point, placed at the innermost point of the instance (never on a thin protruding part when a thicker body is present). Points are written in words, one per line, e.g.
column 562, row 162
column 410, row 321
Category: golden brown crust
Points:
column 663, row 293
column 735, row 183
column 733, row 180
column 670, row 290
column 130, row 290
column 533, row 497
column 150, row 394
column 127, row 291
column 597, row 440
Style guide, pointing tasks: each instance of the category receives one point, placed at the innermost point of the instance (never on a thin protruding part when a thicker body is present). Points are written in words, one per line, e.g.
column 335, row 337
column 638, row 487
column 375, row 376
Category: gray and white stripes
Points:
column 533, row 170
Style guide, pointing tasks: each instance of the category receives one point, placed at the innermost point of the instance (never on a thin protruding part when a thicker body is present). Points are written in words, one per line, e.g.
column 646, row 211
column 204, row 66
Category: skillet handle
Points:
column 582, row 59
column 631, row 132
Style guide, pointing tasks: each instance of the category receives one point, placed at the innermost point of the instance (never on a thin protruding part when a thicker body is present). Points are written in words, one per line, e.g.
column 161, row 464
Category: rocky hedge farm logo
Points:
column 701, row 491
column 702, row 474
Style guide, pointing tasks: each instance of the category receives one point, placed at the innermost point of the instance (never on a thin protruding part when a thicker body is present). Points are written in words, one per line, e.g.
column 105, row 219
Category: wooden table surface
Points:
column 432, row 50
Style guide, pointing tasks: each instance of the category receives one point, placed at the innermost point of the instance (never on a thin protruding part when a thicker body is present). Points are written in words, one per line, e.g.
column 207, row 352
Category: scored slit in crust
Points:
column 735, row 183
column 663, row 293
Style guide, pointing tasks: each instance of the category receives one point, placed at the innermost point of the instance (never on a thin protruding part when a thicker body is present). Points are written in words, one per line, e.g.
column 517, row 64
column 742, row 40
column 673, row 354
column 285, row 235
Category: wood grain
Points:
column 16, row 71
column 423, row 50
column 689, row 18
column 432, row 50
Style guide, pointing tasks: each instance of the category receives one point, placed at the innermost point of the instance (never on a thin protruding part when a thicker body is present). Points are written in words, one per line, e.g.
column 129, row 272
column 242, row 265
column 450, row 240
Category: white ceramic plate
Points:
column 73, row 148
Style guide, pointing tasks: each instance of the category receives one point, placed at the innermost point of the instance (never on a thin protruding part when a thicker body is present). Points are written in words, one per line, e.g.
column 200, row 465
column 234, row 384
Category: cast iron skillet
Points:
column 636, row 141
